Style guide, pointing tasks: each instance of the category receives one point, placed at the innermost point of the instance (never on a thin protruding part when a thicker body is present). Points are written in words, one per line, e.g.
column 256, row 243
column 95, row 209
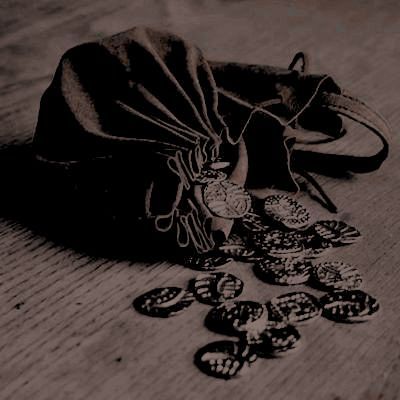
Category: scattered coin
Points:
column 216, row 287
column 283, row 271
column 349, row 306
column 276, row 341
column 232, row 317
column 253, row 222
column 163, row 302
column 211, row 175
column 337, row 232
column 314, row 245
column 233, row 246
column 278, row 244
column 337, row 275
column 294, row 308
column 237, row 248
column 286, row 210
column 226, row 199
column 281, row 256
column 206, row 262
column 224, row 359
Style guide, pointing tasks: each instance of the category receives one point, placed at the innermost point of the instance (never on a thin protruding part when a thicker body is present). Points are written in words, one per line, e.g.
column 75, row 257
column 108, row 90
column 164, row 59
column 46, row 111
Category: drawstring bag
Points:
column 137, row 124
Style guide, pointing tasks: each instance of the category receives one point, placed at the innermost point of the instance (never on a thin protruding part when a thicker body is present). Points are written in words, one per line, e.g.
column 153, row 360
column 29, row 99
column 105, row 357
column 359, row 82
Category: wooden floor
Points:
column 67, row 329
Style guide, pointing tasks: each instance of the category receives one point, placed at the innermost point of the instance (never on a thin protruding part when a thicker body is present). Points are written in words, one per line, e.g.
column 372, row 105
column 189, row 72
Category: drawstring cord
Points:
column 304, row 67
column 300, row 60
column 330, row 206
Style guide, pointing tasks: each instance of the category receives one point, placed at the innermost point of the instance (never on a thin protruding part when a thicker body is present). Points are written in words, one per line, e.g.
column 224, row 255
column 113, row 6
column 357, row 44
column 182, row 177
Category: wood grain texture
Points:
column 67, row 329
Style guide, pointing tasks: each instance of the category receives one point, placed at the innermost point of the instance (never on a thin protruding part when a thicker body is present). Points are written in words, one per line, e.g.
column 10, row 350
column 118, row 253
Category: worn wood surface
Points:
column 67, row 329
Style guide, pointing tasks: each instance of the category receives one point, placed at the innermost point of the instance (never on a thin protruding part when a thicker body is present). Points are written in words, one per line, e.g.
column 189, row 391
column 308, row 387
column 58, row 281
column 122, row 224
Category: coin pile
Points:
column 276, row 236
column 208, row 288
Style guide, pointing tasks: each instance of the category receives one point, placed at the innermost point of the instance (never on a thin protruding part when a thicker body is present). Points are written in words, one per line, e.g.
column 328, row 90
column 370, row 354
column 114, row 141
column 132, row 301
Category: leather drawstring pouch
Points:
column 132, row 124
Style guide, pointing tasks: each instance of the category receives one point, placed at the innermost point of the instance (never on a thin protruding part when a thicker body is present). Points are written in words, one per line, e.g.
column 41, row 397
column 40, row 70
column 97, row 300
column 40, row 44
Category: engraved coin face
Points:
column 163, row 302
column 337, row 232
column 233, row 246
column 278, row 244
column 237, row 248
column 224, row 359
column 337, row 275
column 211, row 175
column 226, row 199
column 276, row 341
column 232, row 317
column 314, row 245
column 283, row 271
column 253, row 222
column 286, row 210
column 349, row 306
column 294, row 308
column 206, row 262
column 216, row 287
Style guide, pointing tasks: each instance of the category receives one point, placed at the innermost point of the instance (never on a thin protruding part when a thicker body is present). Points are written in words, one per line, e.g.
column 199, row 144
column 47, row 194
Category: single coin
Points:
column 216, row 287
column 251, row 256
column 226, row 199
column 233, row 246
column 283, row 271
column 233, row 317
column 286, row 210
column 276, row 341
column 294, row 308
column 254, row 329
column 253, row 222
column 337, row 232
column 337, row 275
column 211, row 175
column 278, row 244
column 217, row 165
column 224, row 359
column 237, row 248
column 163, row 302
column 206, row 262
column 349, row 306
column 314, row 245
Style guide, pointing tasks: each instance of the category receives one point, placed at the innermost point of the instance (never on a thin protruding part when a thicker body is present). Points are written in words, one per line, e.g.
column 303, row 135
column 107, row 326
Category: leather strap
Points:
column 358, row 111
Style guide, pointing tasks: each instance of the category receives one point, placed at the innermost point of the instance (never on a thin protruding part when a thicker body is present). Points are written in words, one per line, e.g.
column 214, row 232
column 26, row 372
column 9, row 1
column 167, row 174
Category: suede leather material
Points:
column 140, row 114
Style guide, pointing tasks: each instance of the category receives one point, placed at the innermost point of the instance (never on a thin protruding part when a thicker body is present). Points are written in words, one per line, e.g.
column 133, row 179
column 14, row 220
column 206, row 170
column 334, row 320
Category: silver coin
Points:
column 276, row 341
column 216, row 287
column 226, row 199
column 163, row 302
column 253, row 222
column 349, row 306
column 286, row 210
column 283, row 271
column 337, row 232
column 211, row 175
column 233, row 317
column 294, row 308
column 217, row 165
column 277, row 243
column 206, row 262
column 237, row 248
column 233, row 246
column 224, row 359
column 337, row 275
column 314, row 245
